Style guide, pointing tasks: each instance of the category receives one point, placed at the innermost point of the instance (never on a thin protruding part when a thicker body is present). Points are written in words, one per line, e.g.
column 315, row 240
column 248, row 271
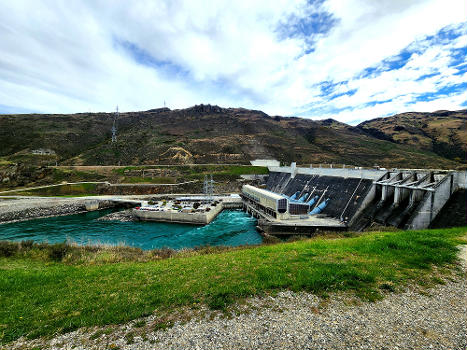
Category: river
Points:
column 230, row 228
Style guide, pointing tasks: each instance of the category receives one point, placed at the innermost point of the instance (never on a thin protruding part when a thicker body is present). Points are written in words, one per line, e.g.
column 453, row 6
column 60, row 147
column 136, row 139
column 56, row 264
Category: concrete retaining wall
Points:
column 461, row 179
column 372, row 174
column 369, row 198
column 432, row 203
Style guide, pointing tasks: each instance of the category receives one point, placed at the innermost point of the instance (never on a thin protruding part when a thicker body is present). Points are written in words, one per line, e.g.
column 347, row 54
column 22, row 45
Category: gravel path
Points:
column 408, row 320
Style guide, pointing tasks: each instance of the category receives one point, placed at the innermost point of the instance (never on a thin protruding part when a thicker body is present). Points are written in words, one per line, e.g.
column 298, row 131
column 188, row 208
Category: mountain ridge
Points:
column 208, row 134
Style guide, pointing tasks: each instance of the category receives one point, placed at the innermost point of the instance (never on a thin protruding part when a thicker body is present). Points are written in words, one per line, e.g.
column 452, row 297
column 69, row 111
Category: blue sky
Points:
column 350, row 60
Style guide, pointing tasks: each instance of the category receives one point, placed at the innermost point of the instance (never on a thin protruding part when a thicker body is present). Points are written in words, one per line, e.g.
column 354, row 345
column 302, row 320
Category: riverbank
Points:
column 15, row 210
column 370, row 267
column 230, row 228
column 122, row 216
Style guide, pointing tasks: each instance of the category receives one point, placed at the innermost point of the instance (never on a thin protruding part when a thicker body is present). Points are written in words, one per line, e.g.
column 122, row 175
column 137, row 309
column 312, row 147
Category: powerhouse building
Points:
column 277, row 206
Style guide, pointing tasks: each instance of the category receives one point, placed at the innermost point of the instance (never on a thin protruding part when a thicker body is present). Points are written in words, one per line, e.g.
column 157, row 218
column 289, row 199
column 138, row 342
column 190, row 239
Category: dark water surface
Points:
column 230, row 228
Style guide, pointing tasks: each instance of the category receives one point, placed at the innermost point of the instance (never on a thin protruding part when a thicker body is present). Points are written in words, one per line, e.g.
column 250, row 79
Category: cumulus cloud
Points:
column 350, row 60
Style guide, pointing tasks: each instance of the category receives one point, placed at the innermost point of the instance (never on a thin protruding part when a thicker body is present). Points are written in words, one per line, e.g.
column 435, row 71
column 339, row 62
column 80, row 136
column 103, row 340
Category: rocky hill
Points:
column 211, row 134
column 441, row 132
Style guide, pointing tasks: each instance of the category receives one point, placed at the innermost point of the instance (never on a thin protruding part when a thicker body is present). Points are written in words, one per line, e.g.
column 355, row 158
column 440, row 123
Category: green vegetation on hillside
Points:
column 195, row 169
column 74, row 190
column 48, row 289
column 30, row 176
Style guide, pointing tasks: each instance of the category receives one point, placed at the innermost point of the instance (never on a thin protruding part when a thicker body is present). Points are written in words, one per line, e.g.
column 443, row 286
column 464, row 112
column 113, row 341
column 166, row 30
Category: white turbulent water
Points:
column 230, row 228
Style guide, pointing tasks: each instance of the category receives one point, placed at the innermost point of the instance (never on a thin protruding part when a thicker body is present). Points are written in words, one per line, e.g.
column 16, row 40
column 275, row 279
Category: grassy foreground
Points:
column 44, row 289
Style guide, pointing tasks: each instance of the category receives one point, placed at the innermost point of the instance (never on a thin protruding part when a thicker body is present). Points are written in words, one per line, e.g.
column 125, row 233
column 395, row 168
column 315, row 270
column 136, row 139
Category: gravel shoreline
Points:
column 23, row 209
column 122, row 216
column 435, row 318
column 15, row 210
column 36, row 213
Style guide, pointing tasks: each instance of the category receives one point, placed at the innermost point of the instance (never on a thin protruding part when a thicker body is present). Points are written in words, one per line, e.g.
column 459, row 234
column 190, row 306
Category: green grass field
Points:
column 75, row 190
column 48, row 289
column 200, row 170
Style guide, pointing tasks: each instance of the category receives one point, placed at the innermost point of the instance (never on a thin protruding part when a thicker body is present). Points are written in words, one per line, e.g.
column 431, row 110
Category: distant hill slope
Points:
column 442, row 132
column 202, row 134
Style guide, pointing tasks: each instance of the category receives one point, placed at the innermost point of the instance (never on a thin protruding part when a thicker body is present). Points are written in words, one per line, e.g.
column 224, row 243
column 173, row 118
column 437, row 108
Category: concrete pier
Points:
column 299, row 226
column 179, row 217
column 195, row 218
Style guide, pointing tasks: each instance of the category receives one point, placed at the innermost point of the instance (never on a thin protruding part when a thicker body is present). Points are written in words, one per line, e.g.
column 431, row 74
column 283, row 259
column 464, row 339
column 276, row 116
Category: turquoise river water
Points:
column 230, row 228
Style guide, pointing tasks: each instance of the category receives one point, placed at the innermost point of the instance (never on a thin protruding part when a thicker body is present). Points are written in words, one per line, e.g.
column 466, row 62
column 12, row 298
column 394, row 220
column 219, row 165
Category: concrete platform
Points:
column 301, row 227
column 197, row 218
column 203, row 218
column 305, row 226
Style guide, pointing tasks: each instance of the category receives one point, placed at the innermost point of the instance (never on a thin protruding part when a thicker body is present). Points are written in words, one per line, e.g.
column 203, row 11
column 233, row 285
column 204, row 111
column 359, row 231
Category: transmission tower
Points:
column 208, row 187
column 114, row 127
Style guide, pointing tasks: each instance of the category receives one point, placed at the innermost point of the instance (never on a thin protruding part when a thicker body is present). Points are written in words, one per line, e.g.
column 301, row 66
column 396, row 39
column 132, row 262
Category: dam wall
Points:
column 404, row 198
column 346, row 194
column 356, row 173
column 432, row 203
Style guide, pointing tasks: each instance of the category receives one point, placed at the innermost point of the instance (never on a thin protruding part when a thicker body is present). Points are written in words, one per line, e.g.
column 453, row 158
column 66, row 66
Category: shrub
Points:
column 8, row 248
column 268, row 239
column 27, row 245
column 164, row 253
column 58, row 251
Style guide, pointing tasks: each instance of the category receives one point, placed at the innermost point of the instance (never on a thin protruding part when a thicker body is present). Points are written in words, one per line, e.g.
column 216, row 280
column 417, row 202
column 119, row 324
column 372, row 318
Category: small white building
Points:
column 43, row 152
column 265, row 162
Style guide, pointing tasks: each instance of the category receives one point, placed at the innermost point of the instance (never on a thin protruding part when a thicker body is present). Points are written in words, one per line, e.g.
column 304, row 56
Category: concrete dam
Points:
column 350, row 198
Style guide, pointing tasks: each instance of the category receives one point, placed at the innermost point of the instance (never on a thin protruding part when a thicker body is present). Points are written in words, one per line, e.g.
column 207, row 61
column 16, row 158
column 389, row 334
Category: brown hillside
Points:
column 441, row 132
column 201, row 134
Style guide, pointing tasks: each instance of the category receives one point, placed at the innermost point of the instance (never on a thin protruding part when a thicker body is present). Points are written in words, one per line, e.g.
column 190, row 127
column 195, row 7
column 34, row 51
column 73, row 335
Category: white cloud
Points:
column 64, row 56
column 401, row 87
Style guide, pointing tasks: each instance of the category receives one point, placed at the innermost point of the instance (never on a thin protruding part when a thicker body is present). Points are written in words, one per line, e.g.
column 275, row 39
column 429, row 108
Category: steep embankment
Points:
column 200, row 134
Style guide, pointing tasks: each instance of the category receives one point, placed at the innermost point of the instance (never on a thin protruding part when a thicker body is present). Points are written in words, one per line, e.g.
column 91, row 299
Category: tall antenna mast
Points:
column 114, row 127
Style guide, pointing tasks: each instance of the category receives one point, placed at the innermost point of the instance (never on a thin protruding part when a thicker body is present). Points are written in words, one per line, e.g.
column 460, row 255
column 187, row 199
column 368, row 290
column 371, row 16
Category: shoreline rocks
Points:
column 41, row 212
column 23, row 209
column 122, row 216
